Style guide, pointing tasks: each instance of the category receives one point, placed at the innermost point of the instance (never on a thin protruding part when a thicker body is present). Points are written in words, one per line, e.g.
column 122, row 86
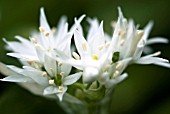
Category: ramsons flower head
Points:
column 100, row 59
column 37, row 56
column 103, row 58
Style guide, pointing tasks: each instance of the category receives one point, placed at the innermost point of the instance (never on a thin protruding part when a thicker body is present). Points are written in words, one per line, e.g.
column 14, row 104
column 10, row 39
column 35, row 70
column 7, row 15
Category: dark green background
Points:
column 147, row 89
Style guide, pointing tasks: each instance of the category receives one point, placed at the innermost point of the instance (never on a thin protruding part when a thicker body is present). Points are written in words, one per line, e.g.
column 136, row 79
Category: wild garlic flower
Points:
column 104, row 59
column 100, row 59
column 37, row 56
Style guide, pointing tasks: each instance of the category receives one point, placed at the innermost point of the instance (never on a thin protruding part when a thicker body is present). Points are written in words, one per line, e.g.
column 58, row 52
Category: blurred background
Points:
column 147, row 89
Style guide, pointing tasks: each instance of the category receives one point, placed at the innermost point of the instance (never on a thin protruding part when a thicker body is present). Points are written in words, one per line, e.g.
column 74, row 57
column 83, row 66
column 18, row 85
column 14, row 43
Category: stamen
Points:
column 157, row 53
column 121, row 32
column 113, row 24
column 107, row 44
column 59, row 64
column 37, row 46
column 44, row 74
column 51, row 82
column 95, row 57
column 143, row 42
column 41, row 29
column 62, row 73
column 116, row 74
column 33, row 40
column 84, row 46
column 100, row 47
column 60, row 89
column 140, row 33
column 52, row 70
column 47, row 34
column 122, row 42
column 119, row 66
column 54, row 30
column 29, row 62
column 75, row 55
column 106, row 68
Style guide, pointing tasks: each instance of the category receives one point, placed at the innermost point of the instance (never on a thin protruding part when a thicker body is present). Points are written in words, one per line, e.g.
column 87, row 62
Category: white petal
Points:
column 5, row 70
column 61, row 27
column 97, row 39
column 68, row 80
column 65, row 44
column 60, row 94
column 43, row 20
column 79, row 27
column 94, row 25
column 50, row 90
column 50, row 65
column 25, row 41
column 23, row 56
column 150, row 60
column 40, row 54
column 14, row 68
column 157, row 40
column 138, row 52
column 111, row 83
column 147, row 50
column 147, row 30
column 17, row 78
column 19, row 47
column 81, row 44
column 36, row 75
column 163, row 64
column 74, row 27
column 33, row 88
column 66, row 68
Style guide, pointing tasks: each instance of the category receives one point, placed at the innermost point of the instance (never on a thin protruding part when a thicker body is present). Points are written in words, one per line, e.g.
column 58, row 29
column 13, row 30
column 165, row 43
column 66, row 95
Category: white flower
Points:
column 103, row 59
column 38, row 54
column 48, row 85
column 130, row 42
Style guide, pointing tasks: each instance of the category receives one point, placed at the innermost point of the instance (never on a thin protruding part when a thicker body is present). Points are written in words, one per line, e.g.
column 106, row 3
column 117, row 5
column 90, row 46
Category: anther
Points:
column 116, row 74
column 140, row 33
column 119, row 66
column 157, row 53
column 59, row 64
column 37, row 46
column 52, row 70
column 60, row 89
column 75, row 55
column 33, row 40
column 113, row 24
column 122, row 42
column 54, row 30
column 44, row 74
column 51, row 82
column 107, row 44
column 62, row 73
column 47, row 34
column 100, row 47
column 41, row 29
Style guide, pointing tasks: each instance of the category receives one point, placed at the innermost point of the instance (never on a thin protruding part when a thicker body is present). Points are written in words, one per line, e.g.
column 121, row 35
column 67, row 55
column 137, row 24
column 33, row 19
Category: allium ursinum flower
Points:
column 104, row 60
column 37, row 55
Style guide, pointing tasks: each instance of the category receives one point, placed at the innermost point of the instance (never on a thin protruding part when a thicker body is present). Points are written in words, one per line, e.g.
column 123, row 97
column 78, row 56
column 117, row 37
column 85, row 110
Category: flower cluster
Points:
column 99, row 60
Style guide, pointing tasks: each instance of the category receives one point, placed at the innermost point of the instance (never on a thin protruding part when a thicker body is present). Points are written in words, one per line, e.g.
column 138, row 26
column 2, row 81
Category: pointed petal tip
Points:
column 41, row 9
column 120, row 11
